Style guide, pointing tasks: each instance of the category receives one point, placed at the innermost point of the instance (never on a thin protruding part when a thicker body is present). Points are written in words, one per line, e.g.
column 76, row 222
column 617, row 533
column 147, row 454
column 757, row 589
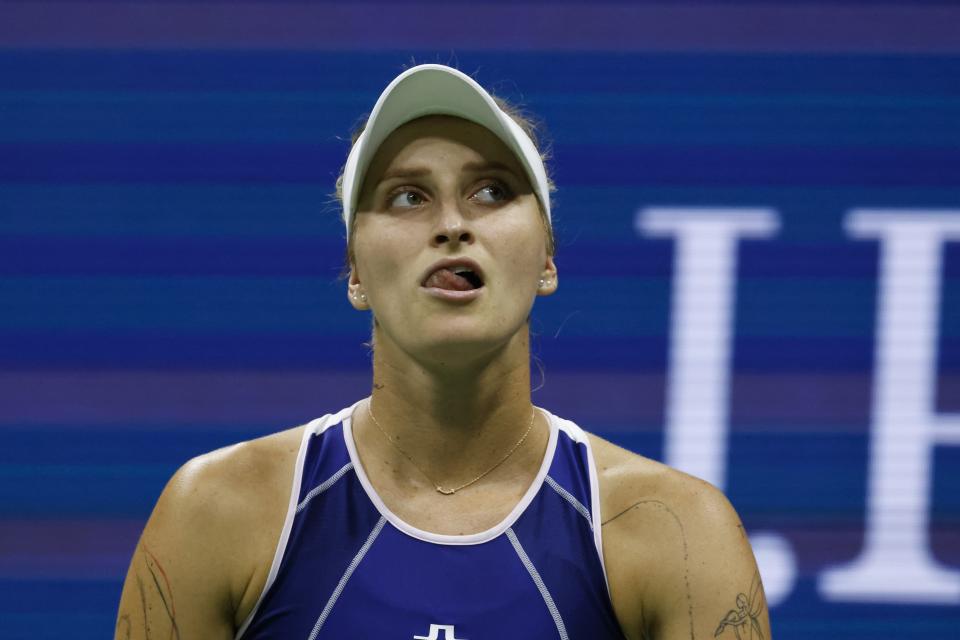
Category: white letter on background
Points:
column 896, row 564
column 698, row 379
column 701, row 321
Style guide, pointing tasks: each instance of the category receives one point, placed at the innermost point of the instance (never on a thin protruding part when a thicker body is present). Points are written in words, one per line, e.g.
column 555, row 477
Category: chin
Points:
column 447, row 339
column 454, row 349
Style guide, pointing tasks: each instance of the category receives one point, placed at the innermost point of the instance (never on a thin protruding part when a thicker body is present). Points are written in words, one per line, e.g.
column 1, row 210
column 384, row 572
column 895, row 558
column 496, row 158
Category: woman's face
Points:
column 441, row 188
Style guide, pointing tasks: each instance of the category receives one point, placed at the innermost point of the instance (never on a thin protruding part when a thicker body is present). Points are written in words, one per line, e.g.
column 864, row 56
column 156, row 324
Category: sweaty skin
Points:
column 451, row 381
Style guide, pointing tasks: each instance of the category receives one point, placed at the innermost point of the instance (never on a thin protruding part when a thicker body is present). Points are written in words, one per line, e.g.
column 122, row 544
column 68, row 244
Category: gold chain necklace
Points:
column 437, row 486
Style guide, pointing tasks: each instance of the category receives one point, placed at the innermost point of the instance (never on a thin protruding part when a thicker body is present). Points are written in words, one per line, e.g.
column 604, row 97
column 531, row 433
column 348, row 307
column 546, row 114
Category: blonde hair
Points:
column 530, row 126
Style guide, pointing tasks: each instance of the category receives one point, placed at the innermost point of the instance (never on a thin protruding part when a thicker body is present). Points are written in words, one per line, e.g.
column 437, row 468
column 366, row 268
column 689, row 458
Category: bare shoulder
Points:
column 206, row 549
column 629, row 480
column 678, row 559
column 220, row 484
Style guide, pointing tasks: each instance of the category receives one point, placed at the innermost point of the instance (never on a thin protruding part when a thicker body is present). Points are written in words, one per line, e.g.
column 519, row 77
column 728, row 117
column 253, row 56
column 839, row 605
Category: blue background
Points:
column 170, row 250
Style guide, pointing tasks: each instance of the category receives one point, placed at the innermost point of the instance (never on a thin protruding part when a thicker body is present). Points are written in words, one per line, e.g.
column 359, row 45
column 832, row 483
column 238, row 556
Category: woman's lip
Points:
column 450, row 263
column 453, row 295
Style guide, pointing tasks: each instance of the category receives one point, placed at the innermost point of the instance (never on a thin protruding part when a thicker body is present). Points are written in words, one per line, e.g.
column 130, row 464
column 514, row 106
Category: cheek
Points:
column 522, row 256
column 526, row 240
column 380, row 254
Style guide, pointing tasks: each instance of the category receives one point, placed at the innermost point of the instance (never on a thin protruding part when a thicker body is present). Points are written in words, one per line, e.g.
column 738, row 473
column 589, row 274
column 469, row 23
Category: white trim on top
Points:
column 597, row 517
column 323, row 486
column 312, row 428
column 541, row 586
column 580, row 436
column 439, row 538
column 357, row 559
column 572, row 500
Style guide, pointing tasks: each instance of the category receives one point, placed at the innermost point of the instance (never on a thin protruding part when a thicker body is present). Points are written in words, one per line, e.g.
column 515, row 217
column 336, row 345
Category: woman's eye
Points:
column 491, row 193
column 406, row 199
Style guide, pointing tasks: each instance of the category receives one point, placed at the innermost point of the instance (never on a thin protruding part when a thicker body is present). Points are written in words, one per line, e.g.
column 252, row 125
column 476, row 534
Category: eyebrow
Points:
column 492, row 165
column 419, row 172
column 411, row 172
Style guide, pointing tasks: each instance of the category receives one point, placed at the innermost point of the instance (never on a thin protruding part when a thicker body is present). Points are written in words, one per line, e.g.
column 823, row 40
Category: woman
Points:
column 444, row 506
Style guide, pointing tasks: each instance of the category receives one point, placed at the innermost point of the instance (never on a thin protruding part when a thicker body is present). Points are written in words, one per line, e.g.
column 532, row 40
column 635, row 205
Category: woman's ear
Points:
column 548, row 278
column 355, row 293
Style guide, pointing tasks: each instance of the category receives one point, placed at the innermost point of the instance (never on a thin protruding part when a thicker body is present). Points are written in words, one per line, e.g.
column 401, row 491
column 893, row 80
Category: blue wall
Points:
column 169, row 253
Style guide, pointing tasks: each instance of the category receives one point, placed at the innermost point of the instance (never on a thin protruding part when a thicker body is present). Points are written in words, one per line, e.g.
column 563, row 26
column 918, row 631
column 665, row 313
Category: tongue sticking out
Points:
column 447, row 279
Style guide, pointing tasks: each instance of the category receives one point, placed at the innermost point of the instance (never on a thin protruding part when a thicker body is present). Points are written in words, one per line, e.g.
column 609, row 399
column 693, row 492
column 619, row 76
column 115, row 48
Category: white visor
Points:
column 435, row 89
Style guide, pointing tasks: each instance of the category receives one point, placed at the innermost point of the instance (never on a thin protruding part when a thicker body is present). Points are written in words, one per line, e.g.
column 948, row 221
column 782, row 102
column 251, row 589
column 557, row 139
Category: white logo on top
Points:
column 436, row 629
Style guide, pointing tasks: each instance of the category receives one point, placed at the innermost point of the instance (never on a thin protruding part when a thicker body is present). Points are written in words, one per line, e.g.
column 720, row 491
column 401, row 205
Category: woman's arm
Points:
column 204, row 555
column 678, row 559
column 178, row 583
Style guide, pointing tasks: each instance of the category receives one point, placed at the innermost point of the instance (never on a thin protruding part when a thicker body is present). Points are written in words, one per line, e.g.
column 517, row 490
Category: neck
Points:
column 453, row 420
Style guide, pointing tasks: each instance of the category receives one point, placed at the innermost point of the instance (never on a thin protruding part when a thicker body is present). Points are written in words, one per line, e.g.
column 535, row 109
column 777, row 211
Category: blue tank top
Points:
column 347, row 567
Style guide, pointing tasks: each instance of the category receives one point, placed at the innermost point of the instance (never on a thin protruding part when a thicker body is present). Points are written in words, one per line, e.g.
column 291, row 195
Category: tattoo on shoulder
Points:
column 123, row 627
column 683, row 539
column 152, row 583
column 745, row 618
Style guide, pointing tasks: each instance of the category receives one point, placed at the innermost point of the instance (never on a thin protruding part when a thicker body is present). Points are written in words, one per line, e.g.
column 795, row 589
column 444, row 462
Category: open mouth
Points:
column 454, row 278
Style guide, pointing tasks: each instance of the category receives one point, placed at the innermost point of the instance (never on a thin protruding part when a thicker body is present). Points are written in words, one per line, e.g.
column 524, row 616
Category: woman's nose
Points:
column 452, row 228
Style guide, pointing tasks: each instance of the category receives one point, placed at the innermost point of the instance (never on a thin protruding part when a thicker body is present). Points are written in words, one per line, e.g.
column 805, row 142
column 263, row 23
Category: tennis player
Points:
column 444, row 506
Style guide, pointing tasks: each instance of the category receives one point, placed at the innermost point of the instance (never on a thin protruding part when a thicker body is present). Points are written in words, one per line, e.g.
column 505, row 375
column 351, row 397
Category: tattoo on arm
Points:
column 683, row 539
column 166, row 594
column 123, row 627
column 744, row 619
column 156, row 585
column 143, row 606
